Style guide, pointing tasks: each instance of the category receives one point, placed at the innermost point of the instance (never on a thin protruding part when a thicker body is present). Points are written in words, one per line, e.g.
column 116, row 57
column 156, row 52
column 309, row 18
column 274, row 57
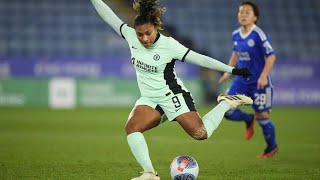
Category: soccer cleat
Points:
column 148, row 176
column 250, row 129
column 235, row 100
column 268, row 153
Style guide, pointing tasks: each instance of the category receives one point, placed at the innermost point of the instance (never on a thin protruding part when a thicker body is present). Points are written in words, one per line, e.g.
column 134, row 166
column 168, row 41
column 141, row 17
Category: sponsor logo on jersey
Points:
column 243, row 56
column 143, row 66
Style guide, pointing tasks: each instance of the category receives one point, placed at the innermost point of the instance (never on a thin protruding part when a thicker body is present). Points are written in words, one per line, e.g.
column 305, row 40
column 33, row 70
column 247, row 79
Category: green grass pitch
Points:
column 90, row 143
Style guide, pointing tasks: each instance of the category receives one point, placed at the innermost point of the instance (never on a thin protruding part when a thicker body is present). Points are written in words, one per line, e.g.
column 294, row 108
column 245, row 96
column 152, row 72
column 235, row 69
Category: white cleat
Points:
column 235, row 100
column 148, row 176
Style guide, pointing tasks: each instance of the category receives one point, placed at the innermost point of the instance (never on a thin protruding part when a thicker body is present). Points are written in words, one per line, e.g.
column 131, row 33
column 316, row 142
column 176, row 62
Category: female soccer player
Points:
column 253, row 50
column 153, row 56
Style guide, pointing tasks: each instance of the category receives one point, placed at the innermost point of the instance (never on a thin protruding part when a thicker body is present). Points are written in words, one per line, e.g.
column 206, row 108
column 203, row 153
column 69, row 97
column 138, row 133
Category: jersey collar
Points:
column 157, row 38
column 243, row 36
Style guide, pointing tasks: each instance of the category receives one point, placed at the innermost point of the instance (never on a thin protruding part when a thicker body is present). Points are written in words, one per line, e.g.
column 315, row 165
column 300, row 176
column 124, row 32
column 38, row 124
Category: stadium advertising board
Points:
column 295, row 83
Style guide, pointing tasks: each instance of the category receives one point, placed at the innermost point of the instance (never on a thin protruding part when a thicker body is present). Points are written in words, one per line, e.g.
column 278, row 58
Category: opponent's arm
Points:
column 208, row 62
column 262, row 81
column 108, row 15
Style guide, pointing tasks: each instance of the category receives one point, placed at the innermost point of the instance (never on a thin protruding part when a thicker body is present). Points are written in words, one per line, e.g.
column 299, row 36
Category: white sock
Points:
column 214, row 117
column 139, row 149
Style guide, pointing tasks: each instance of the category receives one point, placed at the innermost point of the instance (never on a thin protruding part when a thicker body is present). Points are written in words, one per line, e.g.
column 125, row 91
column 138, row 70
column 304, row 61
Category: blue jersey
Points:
column 252, row 49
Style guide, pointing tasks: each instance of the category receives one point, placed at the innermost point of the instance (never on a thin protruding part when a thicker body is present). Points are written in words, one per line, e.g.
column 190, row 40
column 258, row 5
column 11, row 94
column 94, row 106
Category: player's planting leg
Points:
column 239, row 116
column 147, row 176
column 213, row 118
column 268, row 130
column 139, row 149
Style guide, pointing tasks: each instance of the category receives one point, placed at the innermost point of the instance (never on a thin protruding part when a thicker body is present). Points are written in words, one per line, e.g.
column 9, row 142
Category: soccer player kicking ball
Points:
column 253, row 50
column 153, row 56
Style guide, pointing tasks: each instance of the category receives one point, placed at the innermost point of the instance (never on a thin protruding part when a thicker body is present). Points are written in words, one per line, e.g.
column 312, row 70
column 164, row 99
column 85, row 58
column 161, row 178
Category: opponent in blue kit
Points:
column 153, row 56
column 253, row 50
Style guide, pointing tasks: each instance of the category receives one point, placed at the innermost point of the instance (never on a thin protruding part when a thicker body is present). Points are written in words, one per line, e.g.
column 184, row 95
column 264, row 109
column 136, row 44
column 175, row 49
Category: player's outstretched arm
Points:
column 108, row 15
column 208, row 62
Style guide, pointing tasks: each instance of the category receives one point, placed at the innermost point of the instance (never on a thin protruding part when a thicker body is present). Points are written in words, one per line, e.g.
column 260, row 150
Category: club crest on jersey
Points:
column 156, row 57
column 251, row 43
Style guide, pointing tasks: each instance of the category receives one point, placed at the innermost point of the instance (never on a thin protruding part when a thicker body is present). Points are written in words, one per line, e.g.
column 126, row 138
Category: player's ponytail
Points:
column 149, row 11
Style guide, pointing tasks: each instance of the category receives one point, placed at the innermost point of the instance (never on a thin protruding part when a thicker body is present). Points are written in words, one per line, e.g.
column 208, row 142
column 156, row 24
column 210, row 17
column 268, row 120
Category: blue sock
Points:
column 238, row 115
column 268, row 132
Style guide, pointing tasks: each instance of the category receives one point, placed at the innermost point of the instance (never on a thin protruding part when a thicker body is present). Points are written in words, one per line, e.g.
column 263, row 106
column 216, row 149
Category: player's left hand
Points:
column 244, row 72
column 262, row 81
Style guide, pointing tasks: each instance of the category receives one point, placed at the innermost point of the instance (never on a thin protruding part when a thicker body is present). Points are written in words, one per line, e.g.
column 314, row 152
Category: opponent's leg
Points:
column 262, row 106
column 268, row 130
column 239, row 116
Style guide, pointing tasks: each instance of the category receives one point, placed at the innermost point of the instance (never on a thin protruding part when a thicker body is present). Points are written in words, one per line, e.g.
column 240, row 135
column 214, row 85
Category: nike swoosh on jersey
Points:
column 178, row 109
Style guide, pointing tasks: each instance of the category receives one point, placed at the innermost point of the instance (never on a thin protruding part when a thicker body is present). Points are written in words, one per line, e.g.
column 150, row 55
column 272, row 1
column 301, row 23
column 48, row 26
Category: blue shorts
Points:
column 262, row 98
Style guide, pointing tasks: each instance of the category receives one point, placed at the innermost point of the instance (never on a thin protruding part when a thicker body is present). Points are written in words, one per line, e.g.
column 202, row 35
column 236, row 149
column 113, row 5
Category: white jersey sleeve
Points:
column 128, row 33
column 179, row 51
column 108, row 15
column 207, row 62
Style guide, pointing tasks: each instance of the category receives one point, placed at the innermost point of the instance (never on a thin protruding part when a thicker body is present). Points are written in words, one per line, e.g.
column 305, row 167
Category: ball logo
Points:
column 182, row 165
column 251, row 43
column 184, row 168
column 156, row 57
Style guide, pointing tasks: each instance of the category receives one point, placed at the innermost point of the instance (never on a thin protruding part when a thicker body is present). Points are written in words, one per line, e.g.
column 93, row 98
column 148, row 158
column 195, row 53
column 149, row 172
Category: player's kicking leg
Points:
column 235, row 100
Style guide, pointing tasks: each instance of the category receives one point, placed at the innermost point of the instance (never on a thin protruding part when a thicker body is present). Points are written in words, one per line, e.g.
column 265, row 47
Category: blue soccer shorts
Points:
column 262, row 98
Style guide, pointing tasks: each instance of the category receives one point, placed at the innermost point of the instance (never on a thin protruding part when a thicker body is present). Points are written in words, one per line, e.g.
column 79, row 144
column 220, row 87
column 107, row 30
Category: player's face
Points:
column 246, row 15
column 146, row 34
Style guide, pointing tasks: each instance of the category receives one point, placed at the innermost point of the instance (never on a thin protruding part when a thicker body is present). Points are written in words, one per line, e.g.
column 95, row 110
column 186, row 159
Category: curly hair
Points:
column 149, row 11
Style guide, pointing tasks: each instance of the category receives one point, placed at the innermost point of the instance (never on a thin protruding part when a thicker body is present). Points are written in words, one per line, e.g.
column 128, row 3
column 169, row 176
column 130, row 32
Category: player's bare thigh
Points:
column 192, row 123
column 142, row 118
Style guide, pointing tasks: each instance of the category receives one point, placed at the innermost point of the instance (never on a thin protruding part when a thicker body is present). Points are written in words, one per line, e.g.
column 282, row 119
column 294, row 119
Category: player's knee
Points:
column 262, row 115
column 200, row 134
column 131, row 127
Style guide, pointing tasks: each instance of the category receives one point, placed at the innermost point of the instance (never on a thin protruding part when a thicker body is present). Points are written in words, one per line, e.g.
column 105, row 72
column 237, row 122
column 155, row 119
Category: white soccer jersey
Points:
column 154, row 65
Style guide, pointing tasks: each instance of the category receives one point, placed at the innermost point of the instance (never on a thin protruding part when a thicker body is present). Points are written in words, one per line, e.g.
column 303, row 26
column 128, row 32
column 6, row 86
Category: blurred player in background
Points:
column 253, row 50
column 153, row 56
